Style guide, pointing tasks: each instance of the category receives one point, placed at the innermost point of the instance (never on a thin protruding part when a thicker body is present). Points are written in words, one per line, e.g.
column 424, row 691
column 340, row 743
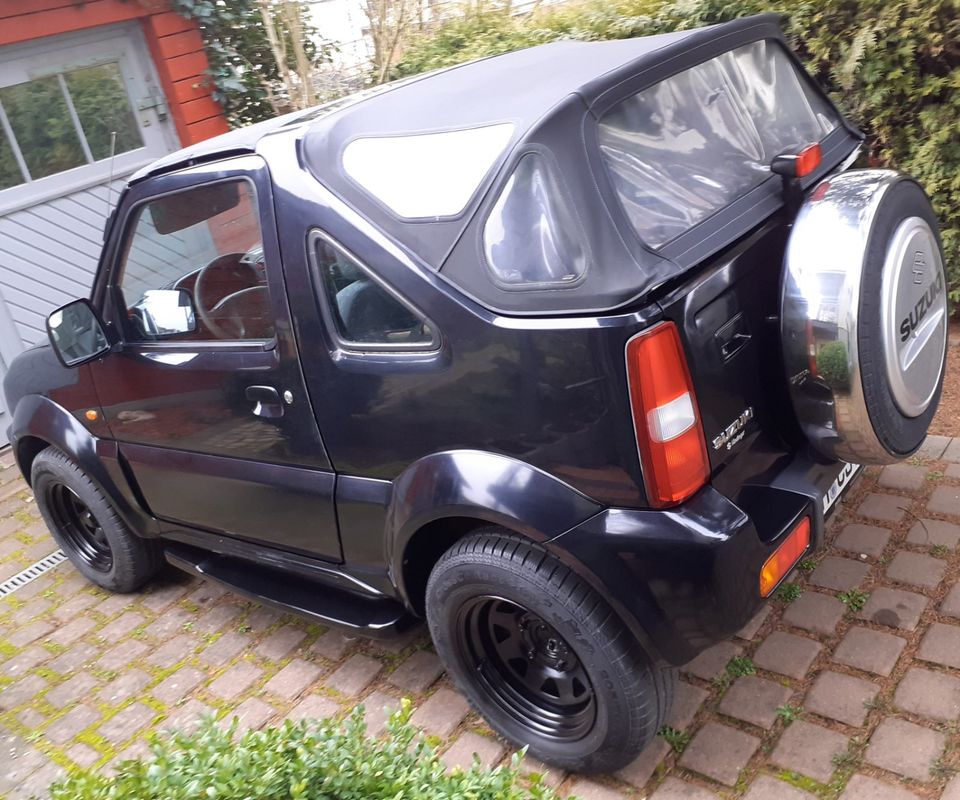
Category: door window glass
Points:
column 194, row 269
column 64, row 121
column 367, row 315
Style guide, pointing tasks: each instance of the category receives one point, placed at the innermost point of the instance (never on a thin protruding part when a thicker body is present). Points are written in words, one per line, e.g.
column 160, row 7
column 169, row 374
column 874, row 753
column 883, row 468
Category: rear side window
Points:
column 365, row 314
column 532, row 237
column 694, row 143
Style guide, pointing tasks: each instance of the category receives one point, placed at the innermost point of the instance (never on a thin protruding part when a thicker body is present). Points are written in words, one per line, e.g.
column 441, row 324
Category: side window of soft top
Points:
column 364, row 313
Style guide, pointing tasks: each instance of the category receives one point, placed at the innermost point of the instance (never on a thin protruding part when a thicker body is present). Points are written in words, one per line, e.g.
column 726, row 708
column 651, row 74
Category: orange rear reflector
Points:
column 784, row 557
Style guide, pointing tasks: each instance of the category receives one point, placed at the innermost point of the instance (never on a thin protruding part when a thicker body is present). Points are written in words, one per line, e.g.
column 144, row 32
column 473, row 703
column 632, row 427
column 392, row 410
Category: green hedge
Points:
column 308, row 760
column 892, row 65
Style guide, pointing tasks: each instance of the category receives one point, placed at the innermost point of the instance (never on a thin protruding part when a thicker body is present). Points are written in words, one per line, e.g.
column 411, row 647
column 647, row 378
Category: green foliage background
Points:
column 893, row 67
column 308, row 760
column 242, row 66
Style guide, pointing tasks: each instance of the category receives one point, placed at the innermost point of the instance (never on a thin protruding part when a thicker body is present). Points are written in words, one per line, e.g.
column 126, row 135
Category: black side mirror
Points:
column 77, row 333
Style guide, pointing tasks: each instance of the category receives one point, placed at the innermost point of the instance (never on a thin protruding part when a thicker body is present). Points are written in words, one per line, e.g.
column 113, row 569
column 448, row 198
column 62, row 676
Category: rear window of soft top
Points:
column 692, row 144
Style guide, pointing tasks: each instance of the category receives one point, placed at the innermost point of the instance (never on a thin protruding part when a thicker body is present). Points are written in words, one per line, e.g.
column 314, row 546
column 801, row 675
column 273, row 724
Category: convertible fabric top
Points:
column 552, row 96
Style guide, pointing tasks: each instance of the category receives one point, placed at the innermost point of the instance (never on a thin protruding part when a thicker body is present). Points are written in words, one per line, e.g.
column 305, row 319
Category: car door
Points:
column 204, row 394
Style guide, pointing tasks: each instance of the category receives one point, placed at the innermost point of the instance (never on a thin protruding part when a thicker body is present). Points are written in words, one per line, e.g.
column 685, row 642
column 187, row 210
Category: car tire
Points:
column 864, row 316
column 542, row 656
column 88, row 529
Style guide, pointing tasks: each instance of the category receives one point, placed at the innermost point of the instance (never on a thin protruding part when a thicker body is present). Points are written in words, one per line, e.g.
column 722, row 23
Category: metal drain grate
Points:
column 32, row 572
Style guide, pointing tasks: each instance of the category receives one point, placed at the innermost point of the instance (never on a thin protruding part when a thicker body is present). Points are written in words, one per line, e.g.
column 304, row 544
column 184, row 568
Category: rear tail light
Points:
column 665, row 416
column 784, row 557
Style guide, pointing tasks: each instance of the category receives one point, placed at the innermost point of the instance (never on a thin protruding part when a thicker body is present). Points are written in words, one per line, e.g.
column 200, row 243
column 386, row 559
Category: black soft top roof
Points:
column 550, row 94
column 553, row 95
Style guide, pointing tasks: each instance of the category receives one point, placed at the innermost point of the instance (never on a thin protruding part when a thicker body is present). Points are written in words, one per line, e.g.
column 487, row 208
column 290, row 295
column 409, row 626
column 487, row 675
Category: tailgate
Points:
column 728, row 318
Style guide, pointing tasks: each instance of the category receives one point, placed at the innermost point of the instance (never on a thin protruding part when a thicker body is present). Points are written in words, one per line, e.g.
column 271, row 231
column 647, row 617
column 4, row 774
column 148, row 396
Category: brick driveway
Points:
column 847, row 686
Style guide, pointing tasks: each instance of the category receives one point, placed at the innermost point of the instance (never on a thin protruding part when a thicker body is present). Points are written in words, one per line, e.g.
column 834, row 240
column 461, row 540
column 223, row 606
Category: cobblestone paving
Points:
column 846, row 686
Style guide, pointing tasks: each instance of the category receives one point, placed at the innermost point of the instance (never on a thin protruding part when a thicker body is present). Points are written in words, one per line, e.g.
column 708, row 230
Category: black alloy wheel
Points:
column 80, row 528
column 542, row 656
column 527, row 668
column 86, row 525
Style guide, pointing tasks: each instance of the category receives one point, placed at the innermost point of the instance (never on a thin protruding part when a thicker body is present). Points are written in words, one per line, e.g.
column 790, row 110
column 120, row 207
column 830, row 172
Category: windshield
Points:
column 693, row 143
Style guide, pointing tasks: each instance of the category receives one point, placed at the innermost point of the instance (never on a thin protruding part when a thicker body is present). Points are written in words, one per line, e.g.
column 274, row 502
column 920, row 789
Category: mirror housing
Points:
column 77, row 333
column 166, row 312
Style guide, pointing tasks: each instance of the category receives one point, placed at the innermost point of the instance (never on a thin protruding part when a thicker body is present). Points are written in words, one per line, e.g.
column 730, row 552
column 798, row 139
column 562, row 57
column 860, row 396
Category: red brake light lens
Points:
column 784, row 557
column 808, row 160
column 666, row 419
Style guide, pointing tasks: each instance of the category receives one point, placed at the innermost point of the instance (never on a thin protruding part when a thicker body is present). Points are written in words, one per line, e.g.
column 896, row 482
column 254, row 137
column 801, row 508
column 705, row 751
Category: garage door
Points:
column 9, row 347
column 78, row 114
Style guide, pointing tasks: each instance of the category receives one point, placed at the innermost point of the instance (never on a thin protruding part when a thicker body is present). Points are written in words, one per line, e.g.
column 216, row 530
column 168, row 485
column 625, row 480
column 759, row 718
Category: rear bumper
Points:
column 687, row 577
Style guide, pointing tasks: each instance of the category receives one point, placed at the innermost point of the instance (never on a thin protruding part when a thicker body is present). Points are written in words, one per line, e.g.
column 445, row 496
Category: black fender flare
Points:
column 41, row 418
column 486, row 486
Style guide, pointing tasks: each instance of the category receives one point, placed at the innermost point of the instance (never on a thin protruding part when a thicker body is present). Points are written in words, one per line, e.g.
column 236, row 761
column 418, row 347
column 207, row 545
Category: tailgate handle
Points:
column 733, row 336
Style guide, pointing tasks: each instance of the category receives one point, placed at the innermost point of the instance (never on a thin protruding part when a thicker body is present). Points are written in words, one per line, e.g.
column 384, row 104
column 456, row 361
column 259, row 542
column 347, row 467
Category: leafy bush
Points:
column 309, row 759
column 893, row 66
column 832, row 365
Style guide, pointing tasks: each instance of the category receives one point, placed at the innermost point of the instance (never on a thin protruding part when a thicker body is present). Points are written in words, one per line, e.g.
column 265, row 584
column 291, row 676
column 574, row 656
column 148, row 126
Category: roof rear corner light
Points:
column 798, row 163
column 669, row 433
column 792, row 165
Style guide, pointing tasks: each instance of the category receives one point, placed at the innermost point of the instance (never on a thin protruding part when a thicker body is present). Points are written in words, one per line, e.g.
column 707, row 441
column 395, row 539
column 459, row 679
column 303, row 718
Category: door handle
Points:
column 267, row 401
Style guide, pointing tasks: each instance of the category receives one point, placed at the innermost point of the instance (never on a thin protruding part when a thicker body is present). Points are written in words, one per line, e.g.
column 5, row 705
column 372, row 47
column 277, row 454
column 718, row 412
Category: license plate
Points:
column 840, row 483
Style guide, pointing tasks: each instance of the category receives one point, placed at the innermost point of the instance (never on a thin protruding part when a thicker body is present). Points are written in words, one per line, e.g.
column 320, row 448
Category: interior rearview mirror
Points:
column 166, row 312
column 76, row 333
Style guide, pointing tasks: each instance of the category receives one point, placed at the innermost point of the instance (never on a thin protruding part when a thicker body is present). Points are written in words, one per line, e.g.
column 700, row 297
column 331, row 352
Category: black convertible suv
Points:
column 570, row 351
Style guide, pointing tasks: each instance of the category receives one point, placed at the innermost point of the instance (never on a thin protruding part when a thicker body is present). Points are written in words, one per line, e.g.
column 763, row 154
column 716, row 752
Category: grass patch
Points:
column 854, row 599
column 790, row 713
column 789, row 592
column 678, row 740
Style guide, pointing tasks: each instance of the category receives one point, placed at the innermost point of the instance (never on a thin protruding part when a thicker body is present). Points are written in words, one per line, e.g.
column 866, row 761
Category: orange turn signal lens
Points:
column 92, row 415
column 784, row 557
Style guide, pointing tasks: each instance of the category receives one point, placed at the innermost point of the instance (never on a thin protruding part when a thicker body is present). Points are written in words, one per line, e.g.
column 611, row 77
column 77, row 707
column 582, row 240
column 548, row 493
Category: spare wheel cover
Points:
column 864, row 316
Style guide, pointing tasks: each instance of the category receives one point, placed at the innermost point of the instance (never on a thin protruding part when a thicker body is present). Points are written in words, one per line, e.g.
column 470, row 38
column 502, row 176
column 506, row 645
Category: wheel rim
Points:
column 525, row 668
column 82, row 530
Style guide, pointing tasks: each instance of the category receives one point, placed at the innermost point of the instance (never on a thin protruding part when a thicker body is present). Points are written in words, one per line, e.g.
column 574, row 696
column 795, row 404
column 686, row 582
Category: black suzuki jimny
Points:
column 570, row 351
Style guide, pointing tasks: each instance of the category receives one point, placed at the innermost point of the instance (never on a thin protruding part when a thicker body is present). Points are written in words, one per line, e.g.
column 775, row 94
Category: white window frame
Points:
column 121, row 44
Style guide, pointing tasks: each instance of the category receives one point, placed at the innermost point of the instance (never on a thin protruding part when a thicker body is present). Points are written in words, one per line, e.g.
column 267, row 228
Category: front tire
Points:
column 543, row 657
column 88, row 529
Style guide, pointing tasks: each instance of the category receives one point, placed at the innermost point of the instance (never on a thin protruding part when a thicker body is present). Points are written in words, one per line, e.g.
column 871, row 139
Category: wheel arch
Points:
column 445, row 496
column 39, row 423
column 26, row 450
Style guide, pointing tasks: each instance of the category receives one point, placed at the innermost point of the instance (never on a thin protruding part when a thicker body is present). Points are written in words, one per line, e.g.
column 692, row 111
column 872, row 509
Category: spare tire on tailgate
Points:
column 864, row 316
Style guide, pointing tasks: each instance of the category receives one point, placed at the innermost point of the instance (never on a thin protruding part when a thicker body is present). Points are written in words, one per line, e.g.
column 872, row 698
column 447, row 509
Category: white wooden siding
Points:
column 49, row 254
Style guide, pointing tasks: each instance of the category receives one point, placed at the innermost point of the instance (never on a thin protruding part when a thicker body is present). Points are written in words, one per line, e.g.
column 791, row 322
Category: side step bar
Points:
column 380, row 618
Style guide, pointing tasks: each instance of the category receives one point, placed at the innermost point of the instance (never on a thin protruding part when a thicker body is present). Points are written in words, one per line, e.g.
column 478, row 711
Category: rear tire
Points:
column 543, row 657
column 88, row 529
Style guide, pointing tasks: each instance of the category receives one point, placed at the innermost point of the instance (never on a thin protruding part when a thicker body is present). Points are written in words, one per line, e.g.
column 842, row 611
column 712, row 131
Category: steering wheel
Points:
column 230, row 271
